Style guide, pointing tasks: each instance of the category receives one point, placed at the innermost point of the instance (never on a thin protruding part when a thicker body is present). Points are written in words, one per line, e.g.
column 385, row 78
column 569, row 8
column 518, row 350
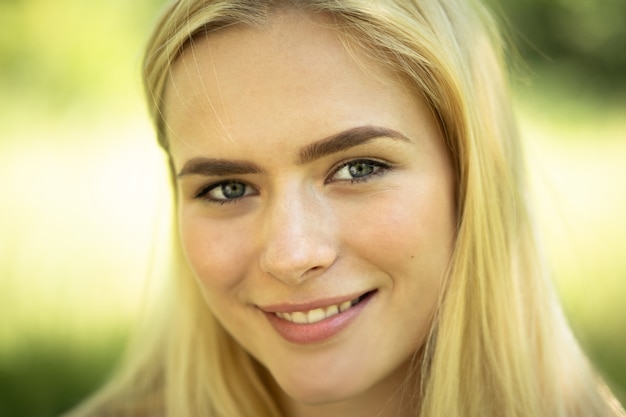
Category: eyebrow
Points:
column 346, row 140
column 217, row 167
column 333, row 144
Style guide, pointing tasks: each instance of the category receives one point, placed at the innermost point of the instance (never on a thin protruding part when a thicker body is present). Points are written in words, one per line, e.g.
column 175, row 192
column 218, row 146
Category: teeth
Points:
column 331, row 311
column 344, row 306
column 318, row 314
column 299, row 317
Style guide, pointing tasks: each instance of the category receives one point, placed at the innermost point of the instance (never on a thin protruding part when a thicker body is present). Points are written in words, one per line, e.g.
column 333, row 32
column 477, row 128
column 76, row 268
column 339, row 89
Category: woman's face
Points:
column 316, row 203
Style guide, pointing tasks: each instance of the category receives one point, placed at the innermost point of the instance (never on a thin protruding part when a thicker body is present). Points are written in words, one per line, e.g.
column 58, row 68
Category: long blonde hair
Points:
column 499, row 345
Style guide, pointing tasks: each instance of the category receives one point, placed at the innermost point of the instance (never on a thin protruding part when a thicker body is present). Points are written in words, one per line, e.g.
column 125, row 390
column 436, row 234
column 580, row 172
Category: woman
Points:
column 352, row 236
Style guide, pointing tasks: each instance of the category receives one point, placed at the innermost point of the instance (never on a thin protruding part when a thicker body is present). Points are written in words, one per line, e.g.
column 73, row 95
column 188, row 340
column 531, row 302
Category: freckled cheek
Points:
column 218, row 255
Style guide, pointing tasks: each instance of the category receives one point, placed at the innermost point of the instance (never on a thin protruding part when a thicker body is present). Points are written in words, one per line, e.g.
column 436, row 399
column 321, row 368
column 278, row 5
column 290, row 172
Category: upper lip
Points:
column 289, row 307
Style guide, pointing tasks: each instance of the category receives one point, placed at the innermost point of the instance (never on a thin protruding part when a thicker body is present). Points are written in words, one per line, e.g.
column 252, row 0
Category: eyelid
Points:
column 381, row 165
column 203, row 192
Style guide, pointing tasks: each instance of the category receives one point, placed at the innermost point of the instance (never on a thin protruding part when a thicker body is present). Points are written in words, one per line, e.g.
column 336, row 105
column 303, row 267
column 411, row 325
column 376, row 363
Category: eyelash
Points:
column 203, row 193
column 378, row 168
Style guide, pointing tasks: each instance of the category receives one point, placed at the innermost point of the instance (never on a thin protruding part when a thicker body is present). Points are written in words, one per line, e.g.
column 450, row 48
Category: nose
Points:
column 298, row 237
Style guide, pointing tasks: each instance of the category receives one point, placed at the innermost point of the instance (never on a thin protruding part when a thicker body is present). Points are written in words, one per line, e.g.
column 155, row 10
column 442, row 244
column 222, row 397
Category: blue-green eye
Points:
column 225, row 191
column 359, row 170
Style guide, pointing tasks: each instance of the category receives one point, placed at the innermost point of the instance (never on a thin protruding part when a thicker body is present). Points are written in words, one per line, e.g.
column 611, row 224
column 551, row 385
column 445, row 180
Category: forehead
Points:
column 243, row 82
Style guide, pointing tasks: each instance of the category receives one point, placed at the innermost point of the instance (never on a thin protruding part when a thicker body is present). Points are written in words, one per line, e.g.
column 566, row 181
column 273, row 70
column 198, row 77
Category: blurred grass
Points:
column 82, row 179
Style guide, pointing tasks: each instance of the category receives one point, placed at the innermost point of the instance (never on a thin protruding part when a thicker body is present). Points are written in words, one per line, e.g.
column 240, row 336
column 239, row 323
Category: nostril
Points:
column 293, row 268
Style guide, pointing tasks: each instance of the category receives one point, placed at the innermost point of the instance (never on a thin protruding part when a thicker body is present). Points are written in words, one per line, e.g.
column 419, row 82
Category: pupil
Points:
column 360, row 169
column 233, row 190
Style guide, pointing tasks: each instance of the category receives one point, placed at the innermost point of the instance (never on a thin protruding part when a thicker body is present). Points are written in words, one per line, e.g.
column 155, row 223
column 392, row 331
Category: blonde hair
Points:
column 499, row 344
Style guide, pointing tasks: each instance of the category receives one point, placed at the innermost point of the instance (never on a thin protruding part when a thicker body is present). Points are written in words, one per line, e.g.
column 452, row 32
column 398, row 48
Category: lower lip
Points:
column 316, row 332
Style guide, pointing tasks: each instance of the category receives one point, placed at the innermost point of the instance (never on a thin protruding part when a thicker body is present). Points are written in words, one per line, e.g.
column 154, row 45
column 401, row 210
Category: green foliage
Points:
column 585, row 37
column 48, row 376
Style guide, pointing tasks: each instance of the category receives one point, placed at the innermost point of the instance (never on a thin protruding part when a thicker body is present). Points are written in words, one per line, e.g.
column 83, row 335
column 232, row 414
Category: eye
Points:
column 359, row 170
column 225, row 192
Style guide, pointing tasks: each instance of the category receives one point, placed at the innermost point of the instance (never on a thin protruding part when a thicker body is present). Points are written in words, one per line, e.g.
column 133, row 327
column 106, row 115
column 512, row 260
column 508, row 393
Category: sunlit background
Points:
column 83, row 198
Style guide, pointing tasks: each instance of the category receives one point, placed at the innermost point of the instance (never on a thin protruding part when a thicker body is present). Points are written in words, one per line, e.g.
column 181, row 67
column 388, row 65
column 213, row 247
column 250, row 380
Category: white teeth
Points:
column 331, row 311
column 318, row 314
column 344, row 306
column 299, row 317
column 284, row 316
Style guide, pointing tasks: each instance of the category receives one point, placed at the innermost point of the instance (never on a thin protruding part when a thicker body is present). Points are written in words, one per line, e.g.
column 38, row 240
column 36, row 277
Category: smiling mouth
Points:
column 319, row 314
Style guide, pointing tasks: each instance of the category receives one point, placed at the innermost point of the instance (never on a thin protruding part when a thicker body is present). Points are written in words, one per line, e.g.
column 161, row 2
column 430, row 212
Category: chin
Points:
column 321, row 391
column 317, row 397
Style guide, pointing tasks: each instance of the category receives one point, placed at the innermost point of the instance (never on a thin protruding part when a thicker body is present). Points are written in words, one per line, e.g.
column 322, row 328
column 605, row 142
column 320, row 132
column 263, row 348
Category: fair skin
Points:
column 309, row 176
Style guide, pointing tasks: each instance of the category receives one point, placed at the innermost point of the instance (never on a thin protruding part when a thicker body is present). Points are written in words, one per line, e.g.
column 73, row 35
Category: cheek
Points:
column 402, row 230
column 216, row 252
column 410, row 239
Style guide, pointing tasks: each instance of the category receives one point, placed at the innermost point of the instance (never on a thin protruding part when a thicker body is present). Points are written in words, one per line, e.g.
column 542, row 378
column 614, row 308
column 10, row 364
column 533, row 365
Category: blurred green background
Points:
column 81, row 182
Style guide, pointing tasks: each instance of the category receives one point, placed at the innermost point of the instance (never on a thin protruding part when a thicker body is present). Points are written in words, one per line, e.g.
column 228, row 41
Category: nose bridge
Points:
column 297, row 234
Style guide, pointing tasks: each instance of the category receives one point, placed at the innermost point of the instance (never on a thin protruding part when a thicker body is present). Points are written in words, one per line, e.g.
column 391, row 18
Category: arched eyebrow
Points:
column 346, row 140
column 336, row 143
